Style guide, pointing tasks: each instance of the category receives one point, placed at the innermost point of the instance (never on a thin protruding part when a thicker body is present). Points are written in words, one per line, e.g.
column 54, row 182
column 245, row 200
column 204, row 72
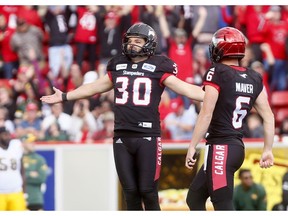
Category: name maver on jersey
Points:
column 238, row 90
column 138, row 88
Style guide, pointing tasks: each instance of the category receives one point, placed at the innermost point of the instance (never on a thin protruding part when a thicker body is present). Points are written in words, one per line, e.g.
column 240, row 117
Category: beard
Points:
column 132, row 52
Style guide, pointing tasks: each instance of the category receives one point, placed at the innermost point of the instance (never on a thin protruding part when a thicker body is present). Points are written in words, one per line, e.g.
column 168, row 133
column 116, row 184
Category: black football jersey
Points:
column 137, row 93
column 238, row 89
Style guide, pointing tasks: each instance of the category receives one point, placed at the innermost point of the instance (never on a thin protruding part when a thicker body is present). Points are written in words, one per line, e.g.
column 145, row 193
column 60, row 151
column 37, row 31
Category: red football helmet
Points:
column 227, row 42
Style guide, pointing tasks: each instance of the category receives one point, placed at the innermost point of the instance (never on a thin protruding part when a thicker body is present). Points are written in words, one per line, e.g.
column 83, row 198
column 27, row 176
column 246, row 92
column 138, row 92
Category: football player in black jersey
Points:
column 230, row 93
column 138, row 78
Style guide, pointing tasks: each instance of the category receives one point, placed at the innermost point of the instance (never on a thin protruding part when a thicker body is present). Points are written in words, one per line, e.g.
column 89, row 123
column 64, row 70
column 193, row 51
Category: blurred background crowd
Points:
column 66, row 46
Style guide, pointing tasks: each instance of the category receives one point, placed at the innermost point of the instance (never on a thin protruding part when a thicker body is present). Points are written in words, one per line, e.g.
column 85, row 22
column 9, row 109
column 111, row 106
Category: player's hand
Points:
column 54, row 98
column 267, row 159
column 191, row 158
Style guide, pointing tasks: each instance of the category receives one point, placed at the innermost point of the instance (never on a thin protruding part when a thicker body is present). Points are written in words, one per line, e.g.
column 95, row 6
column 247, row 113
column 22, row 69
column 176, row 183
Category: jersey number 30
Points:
column 137, row 100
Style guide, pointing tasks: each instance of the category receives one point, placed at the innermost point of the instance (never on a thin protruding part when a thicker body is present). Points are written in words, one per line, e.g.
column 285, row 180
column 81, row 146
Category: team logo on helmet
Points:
column 150, row 32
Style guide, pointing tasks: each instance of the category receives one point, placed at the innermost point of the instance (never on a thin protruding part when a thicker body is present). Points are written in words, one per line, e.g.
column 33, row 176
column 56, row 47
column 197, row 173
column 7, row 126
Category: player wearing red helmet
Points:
column 230, row 93
column 227, row 42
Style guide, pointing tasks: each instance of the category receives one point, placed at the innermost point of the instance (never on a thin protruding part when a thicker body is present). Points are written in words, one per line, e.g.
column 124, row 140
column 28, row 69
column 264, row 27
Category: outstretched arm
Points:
column 263, row 108
column 183, row 88
column 101, row 85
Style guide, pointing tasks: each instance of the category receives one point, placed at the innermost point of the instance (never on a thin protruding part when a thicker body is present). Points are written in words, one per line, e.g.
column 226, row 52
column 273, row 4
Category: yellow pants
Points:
column 12, row 202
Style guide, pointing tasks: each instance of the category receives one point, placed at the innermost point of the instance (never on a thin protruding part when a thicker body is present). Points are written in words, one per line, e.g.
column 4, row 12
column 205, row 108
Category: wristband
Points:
column 64, row 97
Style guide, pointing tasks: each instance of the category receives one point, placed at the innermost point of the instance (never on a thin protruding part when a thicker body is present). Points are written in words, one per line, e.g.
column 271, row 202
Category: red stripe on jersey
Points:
column 158, row 158
column 219, row 173
column 110, row 75
column 212, row 84
column 164, row 77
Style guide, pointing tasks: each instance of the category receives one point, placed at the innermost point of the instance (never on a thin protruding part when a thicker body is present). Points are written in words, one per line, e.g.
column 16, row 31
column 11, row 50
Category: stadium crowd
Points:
column 66, row 46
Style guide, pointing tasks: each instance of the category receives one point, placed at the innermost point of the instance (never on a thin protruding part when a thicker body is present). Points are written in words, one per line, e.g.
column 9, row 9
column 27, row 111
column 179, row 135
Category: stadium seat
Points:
column 279, row 105
column 280, row 115
column 279, row 99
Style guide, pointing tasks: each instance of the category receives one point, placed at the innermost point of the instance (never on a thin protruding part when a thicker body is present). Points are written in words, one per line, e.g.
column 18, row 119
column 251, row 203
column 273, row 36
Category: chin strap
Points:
column 133, row 54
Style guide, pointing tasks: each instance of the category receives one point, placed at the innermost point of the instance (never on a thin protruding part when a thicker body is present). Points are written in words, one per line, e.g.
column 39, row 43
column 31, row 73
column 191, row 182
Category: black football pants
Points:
column 216, row 178
column 138, row 164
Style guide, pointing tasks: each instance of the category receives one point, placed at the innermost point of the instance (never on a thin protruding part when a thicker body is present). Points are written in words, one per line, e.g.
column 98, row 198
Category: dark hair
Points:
column 241, row 171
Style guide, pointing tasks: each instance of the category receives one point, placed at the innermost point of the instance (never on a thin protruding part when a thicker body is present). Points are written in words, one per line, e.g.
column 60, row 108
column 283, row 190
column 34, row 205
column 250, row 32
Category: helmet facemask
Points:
column 130, row 52
column 215, row 54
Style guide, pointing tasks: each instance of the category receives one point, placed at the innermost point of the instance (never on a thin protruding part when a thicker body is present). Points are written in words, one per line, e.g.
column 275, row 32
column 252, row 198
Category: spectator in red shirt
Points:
column 284, row 13
column 255, row 23
column 234, row 15
column 10, row 13
column 30, row 14
column 9, row 57
column 86, row 34
column 180, row 50
column 275, row 35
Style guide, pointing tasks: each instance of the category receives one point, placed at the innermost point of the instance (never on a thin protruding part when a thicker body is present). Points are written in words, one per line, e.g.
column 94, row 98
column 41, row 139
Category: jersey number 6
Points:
column 239, row 113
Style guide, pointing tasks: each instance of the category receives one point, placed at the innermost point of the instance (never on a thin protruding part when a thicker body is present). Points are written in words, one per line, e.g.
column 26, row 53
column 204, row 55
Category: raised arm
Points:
column 263, row 108
column 101, row 85
column 191, row 91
